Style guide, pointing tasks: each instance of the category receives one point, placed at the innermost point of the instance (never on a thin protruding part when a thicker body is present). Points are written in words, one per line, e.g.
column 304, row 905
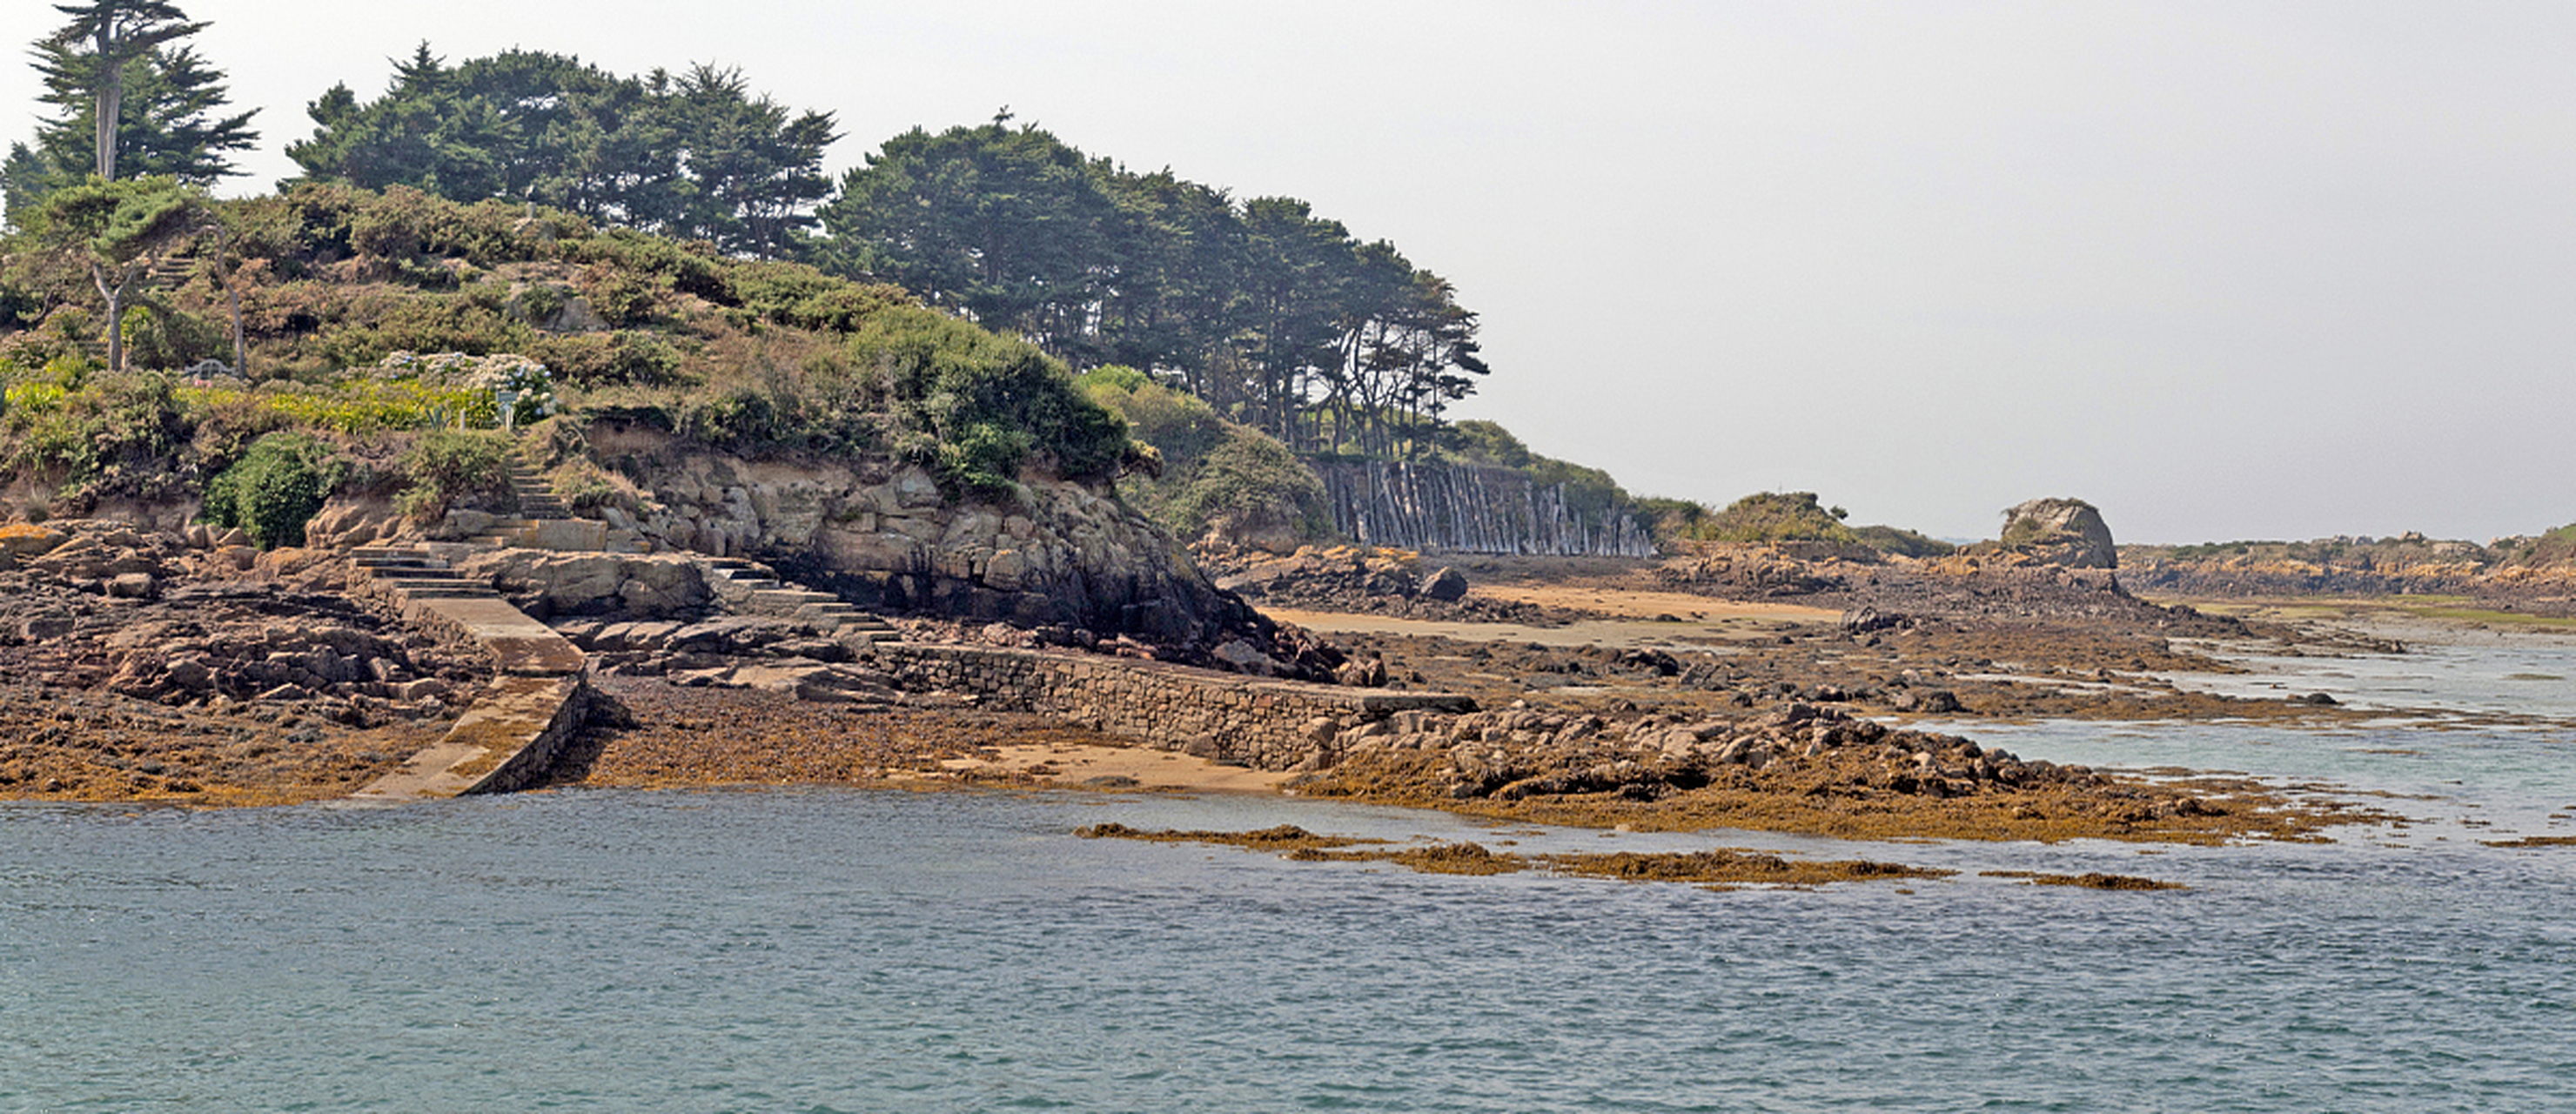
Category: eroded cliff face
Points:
column 1062, row 557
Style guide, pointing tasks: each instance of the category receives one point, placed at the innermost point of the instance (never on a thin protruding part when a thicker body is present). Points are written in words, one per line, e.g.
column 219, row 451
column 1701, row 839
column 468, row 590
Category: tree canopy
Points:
column 128, row 97
column 1271, row 313
column 113, row 229
column 693, row 155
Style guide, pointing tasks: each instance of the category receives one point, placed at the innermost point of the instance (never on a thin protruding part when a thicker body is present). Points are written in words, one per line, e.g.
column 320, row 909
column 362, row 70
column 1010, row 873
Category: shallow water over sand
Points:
column 845, row 950
column 853, row 950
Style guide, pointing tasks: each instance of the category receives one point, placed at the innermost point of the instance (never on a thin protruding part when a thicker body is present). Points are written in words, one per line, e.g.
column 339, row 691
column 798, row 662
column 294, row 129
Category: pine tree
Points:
column 128, row 97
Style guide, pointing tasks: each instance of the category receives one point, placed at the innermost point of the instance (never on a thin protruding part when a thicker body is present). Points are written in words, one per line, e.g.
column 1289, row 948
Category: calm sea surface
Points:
column 862, row 951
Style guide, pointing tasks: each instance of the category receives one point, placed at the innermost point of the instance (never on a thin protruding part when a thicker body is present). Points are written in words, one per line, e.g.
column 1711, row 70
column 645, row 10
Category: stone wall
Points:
column 535, row 760
column 1465, row 509
column 1268, row 725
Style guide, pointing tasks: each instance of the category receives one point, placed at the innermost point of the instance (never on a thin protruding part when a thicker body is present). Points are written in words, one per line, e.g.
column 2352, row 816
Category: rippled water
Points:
column 847, row 950
column 862, row 951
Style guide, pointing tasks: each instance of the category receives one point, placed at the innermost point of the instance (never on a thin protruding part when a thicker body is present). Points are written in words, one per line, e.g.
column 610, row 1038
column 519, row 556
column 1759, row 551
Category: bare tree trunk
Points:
column 114, row 296
column 241, row 349
column 111, row 101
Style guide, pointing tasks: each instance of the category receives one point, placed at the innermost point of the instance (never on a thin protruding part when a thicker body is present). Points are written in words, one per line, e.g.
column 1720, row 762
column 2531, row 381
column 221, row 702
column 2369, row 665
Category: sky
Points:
column 2227, row 270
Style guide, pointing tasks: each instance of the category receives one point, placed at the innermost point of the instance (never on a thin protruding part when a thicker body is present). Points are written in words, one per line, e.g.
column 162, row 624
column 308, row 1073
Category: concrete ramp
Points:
column 512, row 733
column 507, row 739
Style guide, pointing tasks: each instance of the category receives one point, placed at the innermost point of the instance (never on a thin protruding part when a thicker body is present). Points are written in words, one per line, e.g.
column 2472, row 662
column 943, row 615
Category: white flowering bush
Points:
column 484, row 377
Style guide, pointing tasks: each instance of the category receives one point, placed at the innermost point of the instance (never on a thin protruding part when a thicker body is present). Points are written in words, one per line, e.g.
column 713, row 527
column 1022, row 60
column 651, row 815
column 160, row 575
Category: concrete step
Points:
column 459, row 590
column 396, row 561
column 414, row 574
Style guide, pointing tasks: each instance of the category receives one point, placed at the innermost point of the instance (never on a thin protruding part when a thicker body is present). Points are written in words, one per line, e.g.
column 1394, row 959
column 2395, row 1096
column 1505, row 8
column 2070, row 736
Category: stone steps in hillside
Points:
column 412, row 574
column 536, row 497
column 752, row 589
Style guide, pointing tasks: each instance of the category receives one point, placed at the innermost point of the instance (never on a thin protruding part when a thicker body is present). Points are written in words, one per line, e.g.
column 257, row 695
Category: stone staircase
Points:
column 169, row 274
column 749, row 588
column 417, row 573
column 544, row 522
column 536, row 497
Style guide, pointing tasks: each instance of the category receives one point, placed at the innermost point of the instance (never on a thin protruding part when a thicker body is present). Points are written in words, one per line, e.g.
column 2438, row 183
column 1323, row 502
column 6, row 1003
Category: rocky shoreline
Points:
column 228, row 677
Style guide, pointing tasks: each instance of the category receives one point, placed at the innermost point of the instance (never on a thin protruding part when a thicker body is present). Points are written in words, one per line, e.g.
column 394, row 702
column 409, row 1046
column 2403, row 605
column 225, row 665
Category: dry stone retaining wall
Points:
column 1268, row 725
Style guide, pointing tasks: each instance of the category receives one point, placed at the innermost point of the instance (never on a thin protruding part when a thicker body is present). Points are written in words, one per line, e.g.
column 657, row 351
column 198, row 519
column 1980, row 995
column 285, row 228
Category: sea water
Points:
column 850, row 950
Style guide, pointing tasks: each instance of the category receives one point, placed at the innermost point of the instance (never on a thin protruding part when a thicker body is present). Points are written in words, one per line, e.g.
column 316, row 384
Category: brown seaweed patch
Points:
column 1438, row 858
column 2091, row 880
column 2532, row 841
column 1284, row 837
column 1850, row 793
column 1724, row 865
column 1721, row 866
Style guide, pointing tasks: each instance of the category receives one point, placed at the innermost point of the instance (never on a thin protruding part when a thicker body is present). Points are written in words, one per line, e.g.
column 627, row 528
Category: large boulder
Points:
column 2067, row 532
column 1448, row 585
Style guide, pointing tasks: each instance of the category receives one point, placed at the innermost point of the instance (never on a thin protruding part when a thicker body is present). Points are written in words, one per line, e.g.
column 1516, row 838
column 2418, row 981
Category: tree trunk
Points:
column 111, row 101
column 241, row 350
column 114, row 296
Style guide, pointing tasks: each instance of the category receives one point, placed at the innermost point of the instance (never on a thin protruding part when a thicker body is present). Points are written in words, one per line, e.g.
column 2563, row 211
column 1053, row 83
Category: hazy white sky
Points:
column 2227, row 269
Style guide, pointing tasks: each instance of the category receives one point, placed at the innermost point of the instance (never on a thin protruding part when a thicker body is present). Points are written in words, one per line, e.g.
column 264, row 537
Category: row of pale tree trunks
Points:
column 1450, row 508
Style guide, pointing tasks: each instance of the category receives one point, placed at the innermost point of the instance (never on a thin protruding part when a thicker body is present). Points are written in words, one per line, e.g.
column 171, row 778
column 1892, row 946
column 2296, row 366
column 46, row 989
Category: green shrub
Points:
column 103, row 426
column 1250, row 476
column 1779, row 517
column 382, row 322
column 1908, row 543
column 661, row 264
column 1181, row 426
column 964, row 386
column 159, row 337
column 1483, row 442
column 983, row 458
column 799, row 296
column 606, row 359
column 446, row 467
column 275, row 488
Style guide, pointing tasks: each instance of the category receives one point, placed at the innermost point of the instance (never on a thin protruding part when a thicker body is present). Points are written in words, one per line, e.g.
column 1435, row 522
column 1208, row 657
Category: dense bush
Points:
column 1255, row 482
column 1180, row 426
column 159, row 336
column 446, row 467
column 1483, row 442
column 1908, row 543
column 626, row 356
column 102, row 430
column 275, row 488
column 988, row 403
column 1771, row 516
column 382, row 322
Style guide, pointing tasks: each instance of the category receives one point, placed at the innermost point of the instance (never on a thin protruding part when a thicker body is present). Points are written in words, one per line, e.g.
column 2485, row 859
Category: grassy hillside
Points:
column 372, row 319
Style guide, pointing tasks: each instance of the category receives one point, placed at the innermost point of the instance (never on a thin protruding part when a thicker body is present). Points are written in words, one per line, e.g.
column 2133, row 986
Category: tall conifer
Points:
column 129, row 98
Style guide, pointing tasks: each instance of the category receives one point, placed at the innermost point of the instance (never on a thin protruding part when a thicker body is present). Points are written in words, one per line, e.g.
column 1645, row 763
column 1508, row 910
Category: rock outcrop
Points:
column 193, row 619
column 881, row 534
column 2068, row 532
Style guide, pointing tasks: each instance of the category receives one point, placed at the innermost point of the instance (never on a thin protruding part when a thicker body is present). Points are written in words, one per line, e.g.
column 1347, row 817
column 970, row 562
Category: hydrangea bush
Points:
column 485, row 377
